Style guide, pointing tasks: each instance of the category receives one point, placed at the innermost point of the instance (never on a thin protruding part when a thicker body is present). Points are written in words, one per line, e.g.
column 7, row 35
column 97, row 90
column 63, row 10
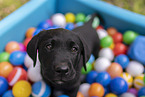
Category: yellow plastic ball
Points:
column 70, row 17
column 111, row 95
column 112, row 46
column 138, row 82
column 22, row 89
column 128, row 78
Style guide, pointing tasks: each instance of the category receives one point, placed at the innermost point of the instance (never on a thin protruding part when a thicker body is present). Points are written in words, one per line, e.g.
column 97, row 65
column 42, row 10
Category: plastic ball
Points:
column 133, row 91
column 80, row 17
column 99, row 27
column 135, row 68
column 141, row 92
column 22, row 47
column 112, row 46
column 129, row 37
column 4, row 57
column 101, row 64
column 114, row 70
column 111, row 31
column 127, row 95
column 144, row 79
column 5, row 69
column 96, row 89
column 102, row 33
column 26, row 41
column 28, row 61
column 79, row 24
column 41, row 89
column 96, row 22
column 106, row 41
column 138, row 82
column 79, row 94
column 118, row 85
column 12, row 46
column 8, row 94
column 111, row 95
column 107, row 90
column 107, row 53
column 63, row 96
column 84, row 89
column 88, row 68
column 44, row 25
column 103, row 78
column 49, row 22
column 17, row 58
column 128, row 78
column 70, row 17
column 58, row 19
column 30, row 32
column 38, row 30
column 117, row 37
column 119, row 48
column 123, row 60
column 69, row 26
column 22, row 89
column 91, row 59
column 91, row 76
column 34, row 73
column 17, row 74
column 3, row 85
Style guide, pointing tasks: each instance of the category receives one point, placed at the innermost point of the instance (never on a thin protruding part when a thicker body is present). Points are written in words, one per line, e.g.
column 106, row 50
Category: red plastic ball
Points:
column 26, row 41
column 99, row 27
column 16, row 75
column 117, row 37
column 120, row 48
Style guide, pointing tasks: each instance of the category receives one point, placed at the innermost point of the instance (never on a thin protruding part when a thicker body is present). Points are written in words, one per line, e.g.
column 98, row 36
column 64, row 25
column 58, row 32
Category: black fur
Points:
column 62, row 53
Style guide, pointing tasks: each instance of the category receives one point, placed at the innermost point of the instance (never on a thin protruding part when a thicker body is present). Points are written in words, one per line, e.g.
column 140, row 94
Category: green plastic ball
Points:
column 106, row 41
column 129, row 37
column 88, row 67
column 80, row 17
column 4, row 57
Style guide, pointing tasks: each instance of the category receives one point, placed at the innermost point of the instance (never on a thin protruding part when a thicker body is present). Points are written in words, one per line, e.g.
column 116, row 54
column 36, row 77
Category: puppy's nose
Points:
column 63, row 69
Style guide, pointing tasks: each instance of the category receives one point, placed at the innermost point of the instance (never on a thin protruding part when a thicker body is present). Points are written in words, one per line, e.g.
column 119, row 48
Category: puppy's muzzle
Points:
column 62, row 69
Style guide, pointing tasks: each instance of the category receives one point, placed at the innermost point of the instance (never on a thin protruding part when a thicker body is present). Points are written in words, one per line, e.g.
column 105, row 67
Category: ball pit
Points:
column 110, row 75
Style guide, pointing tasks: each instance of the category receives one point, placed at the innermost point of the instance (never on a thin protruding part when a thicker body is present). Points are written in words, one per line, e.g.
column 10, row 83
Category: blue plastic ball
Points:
column 53, row 27
column 107, row 90
column 123, row 60
column 44, row 25
column 8, row 94
column 69, row 26
column 141, row 92
column 17, row 58
column 3, row 85
column 92, row 59
column 41, row 89
column 37, row 31
column 91, row 76
column 118, row 85
column 63, row 96
column 79, row 24
column 103, row 78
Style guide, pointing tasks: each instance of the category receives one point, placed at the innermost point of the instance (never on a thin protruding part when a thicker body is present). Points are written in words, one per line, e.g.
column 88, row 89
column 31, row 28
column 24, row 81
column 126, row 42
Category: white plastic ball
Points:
column 127, row 95
column 58, row 19
column 28, row 61
column 34, row 73
column 135, row 68
column 107, row 53
column 84, row 89
column 102, row 33
column 101, row 64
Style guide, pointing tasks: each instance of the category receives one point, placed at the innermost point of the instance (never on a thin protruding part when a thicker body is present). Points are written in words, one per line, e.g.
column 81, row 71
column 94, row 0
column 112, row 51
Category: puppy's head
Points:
column 60, row 52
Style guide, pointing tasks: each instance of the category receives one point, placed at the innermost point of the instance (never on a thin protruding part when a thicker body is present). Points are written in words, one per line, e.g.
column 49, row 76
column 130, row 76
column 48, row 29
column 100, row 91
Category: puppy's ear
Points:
column 32, row 48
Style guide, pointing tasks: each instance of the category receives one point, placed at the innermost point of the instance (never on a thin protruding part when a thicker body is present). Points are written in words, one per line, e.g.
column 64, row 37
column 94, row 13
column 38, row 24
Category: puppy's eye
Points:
column 49, row 46
column 74, row 49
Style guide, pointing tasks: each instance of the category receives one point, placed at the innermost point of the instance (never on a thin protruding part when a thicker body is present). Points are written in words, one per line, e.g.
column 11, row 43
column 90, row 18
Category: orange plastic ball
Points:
column 5, row 69
column 29, row 32
column 26, row 41
column 111, row 31
column 12, row 46
column 114, row 70
column 96, row 89
column 80, row 94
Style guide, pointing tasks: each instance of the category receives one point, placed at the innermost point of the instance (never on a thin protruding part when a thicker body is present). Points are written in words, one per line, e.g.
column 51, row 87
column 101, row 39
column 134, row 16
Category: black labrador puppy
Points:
column 62, row 53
